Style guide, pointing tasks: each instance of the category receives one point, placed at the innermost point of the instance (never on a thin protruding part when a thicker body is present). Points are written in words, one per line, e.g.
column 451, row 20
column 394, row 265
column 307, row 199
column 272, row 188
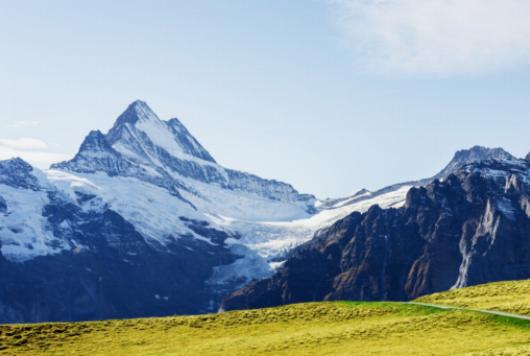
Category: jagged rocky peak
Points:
column 143, row 146
column 138, row 137
column 139, row 129
column 15, row 166
column 95, row 141
column 480, row 153
column 137, row 111
column 18, row 173
column 95, row 154
column 527, row 157
column 473, row 155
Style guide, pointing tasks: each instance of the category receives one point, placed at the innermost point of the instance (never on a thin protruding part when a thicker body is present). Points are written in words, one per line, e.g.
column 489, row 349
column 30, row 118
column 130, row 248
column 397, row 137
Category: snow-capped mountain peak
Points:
column 141, row 135
column 481, row 153
column 136, row 111
column 17, row 173
column 473, row 155
column 95, row 154
column 95, row 141
column 164, row 153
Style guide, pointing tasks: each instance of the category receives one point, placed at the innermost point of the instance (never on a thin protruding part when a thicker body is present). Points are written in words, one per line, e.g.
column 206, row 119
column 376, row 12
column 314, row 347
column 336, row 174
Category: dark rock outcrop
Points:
column 471, row 228
column 3, row 205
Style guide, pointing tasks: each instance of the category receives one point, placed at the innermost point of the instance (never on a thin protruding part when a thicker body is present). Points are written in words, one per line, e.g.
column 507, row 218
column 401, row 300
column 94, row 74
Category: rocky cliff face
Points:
column 473, row 227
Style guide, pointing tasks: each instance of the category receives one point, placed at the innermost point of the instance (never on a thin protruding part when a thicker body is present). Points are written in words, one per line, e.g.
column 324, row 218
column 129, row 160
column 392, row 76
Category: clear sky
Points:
column 330, row 96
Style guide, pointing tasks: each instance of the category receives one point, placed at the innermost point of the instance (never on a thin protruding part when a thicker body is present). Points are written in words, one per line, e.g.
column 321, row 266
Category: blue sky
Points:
column 329, row 95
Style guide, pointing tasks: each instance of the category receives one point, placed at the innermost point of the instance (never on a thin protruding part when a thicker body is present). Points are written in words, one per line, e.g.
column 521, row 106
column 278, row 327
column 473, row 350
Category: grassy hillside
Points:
column 513, row 297
column 305, row 329
column 341, row 328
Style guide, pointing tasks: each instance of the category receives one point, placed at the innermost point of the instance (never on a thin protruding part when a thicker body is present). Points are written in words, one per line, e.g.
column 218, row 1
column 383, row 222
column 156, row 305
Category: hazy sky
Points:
column 331, row 96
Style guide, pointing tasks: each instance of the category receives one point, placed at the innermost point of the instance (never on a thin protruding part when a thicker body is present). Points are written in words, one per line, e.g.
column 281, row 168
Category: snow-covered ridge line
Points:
column 143, row 146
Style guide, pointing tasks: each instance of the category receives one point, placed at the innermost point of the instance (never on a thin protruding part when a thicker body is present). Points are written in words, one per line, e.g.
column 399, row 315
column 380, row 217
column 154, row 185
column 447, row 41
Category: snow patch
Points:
column 153, row 211
column 24, row 231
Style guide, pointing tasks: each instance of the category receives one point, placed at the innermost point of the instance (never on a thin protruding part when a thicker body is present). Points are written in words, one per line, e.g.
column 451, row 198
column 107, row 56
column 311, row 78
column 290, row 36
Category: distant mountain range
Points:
column 143, row 222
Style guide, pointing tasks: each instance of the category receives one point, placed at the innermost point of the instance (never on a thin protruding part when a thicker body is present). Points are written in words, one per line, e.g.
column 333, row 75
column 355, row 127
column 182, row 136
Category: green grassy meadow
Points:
column 329, row 328
column 512, row 297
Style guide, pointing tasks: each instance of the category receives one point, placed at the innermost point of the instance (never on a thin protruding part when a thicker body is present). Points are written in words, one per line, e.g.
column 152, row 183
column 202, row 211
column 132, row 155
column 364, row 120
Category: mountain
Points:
column 469, row 228
column 164, row 153
column 143, row 221
column 141, row 149
column 473, row 155
column 138, row 223
column 289, row 234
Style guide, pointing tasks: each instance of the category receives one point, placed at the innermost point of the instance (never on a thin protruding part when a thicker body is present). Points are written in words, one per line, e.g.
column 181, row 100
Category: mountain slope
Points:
column 141, row 147
column 72, row 257
column 133, row 225
column 297, row 329
column 510, row 296
column 392, row 196
column 470, row 228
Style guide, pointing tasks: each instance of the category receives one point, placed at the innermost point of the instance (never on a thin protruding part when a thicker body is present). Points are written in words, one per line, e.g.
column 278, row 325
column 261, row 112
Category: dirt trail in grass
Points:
column 485, row 311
